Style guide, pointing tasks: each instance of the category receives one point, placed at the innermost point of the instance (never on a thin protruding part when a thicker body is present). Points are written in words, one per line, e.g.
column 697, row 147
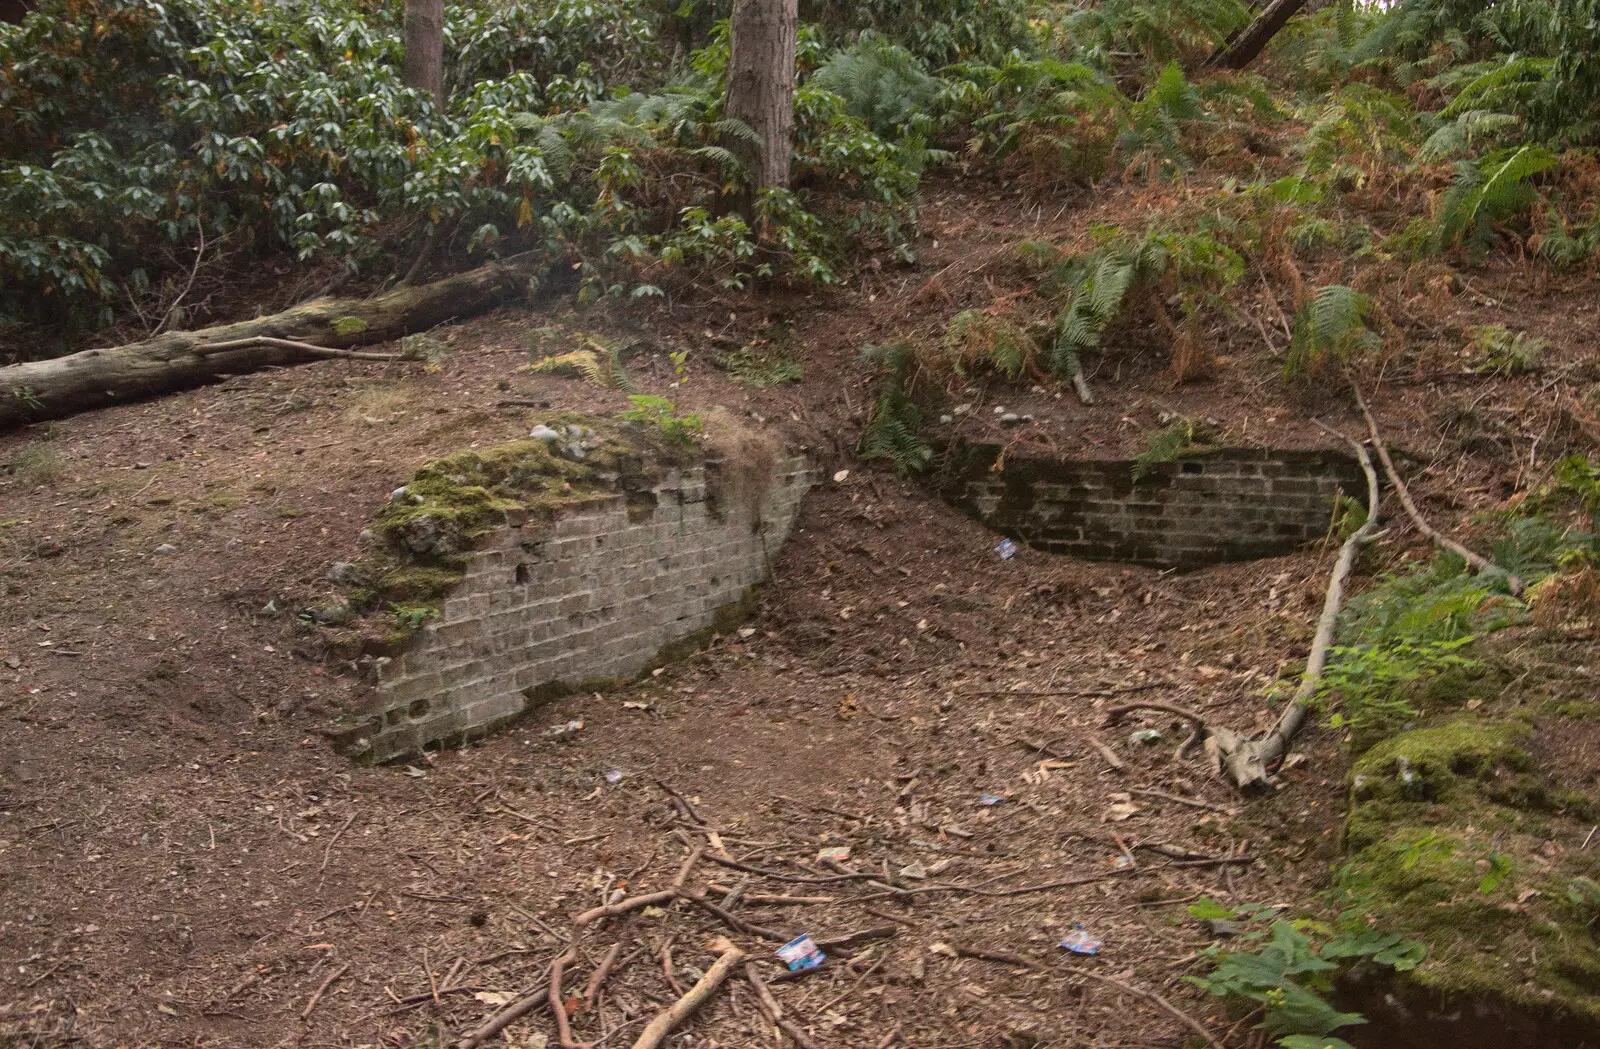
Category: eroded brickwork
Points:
column 1233, row 504
column 597, row 593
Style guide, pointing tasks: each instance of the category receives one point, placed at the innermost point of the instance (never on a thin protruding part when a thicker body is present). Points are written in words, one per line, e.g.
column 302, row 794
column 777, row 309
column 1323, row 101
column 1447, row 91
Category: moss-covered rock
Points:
column 1455, row 839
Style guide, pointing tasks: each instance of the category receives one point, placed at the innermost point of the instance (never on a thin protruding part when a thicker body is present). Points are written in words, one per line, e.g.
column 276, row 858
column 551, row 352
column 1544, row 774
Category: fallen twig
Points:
column 1197, row 803
column 1116, row 714
column 558, row 1007
column 1110, row 755
column 973, row 890
column 774, row 1012
column 598, row 979
column 1177, row 1014
column 322, row 989
column 736, row 894
column 733, row 921
column 781, row 876
column 839, row 943
column 513, row 1012
column 290, row 344
column 1078, row 693
column 669, row 1018
column 681, row 803
column 1187, row 857
column 1043, row 748
column 649, row 899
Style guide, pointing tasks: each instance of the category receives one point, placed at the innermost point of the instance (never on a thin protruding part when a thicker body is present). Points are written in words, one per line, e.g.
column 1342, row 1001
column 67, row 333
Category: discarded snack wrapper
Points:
column 613, row 776
column 1078, row 941
column 801, row 953
column 833, row 854
column 991, row 799
column 1007, row 549
column 1145, row 735
column 566, row 731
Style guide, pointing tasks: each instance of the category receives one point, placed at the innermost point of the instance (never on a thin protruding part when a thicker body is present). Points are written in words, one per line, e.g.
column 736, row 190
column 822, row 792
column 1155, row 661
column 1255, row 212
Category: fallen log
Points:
column 38, row 390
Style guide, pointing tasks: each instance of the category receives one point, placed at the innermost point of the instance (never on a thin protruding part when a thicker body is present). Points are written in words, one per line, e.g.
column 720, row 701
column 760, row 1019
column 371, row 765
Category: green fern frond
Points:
column 1506, row 83
column 881, row 83
column 1468, row 129
column 1182, row 437
column 892, row 432
column 729, row 128
column 1502, row 351
column 1173, row 95
column 1494, row 189
column 1331, row 327
column 892, row 435
column 558, row 155
column 723, row 158
column 583, row 363
column 1563, row 248
column 974, row 337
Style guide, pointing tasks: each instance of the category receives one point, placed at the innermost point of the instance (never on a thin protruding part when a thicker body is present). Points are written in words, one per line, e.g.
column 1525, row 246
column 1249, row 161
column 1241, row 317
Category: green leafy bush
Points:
column 661, row 415
column 240, row 134
column 1288, row 972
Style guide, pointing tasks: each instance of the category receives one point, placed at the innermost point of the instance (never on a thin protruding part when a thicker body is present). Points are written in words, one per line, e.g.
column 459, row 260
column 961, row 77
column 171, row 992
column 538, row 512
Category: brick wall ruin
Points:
column 600, row 592
column 1232, row 504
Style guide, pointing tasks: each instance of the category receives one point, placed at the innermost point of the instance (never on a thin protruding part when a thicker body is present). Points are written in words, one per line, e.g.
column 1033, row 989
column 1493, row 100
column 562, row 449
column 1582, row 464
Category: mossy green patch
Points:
column 1452, row 838
column 1577, row 709
column 426, row 531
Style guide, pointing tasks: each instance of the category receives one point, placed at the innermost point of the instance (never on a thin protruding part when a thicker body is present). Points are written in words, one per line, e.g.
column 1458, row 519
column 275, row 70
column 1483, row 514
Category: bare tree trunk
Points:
column 425, row 47
column 761, row 82
column 180, row 359
column 1244, row 48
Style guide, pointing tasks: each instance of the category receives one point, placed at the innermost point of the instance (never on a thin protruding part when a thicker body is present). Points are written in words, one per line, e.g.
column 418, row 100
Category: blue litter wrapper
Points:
column 1078, row 941
column 1007, row 549
column 991, row 799
column 800, row 953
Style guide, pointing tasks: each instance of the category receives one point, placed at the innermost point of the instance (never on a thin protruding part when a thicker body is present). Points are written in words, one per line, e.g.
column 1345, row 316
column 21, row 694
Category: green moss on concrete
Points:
column 426, row 531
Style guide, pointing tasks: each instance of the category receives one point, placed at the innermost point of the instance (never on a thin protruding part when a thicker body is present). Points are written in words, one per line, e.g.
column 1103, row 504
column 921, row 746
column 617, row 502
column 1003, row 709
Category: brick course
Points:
column 596, row 593
column 1233, row 504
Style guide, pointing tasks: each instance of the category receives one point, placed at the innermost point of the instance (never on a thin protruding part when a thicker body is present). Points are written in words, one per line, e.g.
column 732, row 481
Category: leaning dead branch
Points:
column 1478, row 562
column 1245, row 760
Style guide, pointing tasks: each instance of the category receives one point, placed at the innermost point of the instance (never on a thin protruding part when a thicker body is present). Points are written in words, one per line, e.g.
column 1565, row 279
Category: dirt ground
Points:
column 188, row 864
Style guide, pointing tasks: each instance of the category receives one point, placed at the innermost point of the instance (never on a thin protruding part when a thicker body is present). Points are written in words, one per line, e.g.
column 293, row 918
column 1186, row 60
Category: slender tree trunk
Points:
column 761, row 83
column 425, row 47
column 1244, row 48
